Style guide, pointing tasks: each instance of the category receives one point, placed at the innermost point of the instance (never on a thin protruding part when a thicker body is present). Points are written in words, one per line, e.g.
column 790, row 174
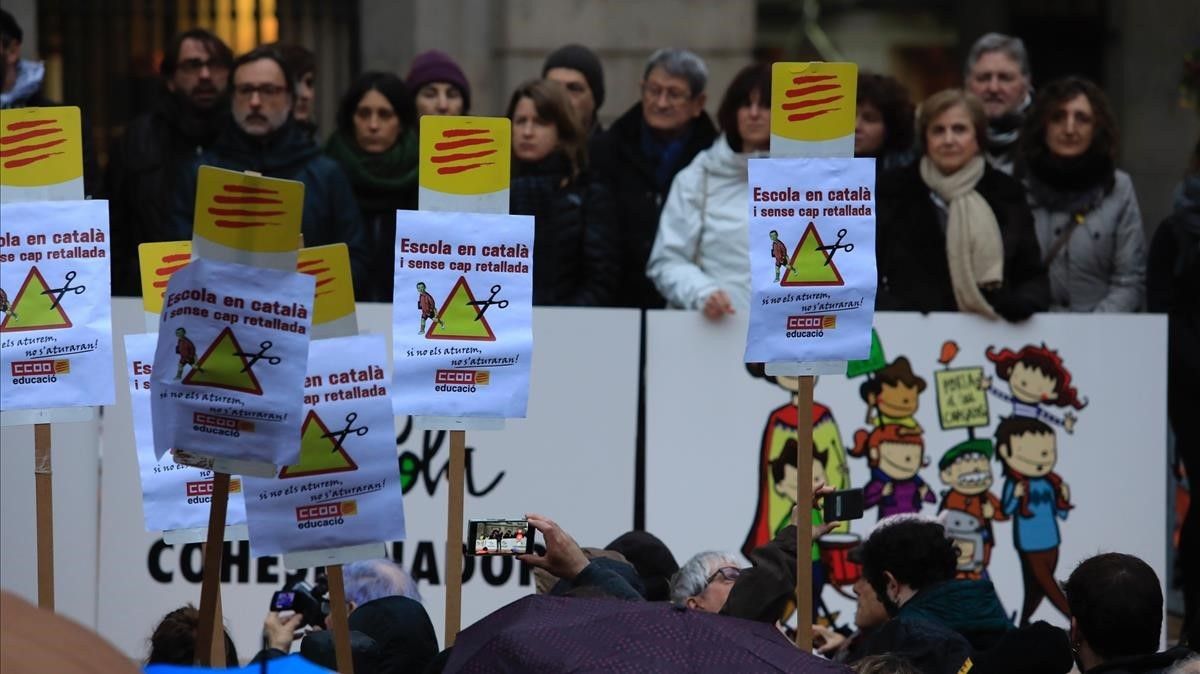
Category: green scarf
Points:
column 381, row 181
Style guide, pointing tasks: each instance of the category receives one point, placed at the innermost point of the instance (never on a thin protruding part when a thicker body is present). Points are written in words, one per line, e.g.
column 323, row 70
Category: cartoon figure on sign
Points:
column 895, row 458
column 428, row 307
column 781, row 426
column 784, row 474
column 968, row 507
column 187, row 352
column 780, row 253
column 1036, row 498
column 5, row 307
column 892, row 395
column 1036, row 377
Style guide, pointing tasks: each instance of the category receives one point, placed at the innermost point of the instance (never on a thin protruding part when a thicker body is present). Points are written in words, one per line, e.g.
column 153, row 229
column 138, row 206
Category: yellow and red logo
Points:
column 813, row 101
column 221, row 423
column 326, row 511
column 811, row 322
column 40, row 146
column 463, row 377
column 205, row 487
column 246, row 212
column 39, row 368
column 465, row 155
column 330, row 266
column 158, row 261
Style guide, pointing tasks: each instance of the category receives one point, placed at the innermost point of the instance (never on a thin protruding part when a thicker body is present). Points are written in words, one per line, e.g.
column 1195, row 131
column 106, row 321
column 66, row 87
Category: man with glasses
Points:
column 161, row 145
column 643, row 150
column 264, row 138
column 998, row 73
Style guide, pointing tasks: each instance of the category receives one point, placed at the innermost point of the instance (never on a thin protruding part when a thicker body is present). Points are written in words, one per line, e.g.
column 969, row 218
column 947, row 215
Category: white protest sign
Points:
column 55, row 322
column 462, row 314
column 228, row 374
column 174, row 496
column 812, row 259
column 345, row 489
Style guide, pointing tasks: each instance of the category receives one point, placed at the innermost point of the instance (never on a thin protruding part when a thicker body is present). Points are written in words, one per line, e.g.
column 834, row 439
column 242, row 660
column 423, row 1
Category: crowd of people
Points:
column 992, row 199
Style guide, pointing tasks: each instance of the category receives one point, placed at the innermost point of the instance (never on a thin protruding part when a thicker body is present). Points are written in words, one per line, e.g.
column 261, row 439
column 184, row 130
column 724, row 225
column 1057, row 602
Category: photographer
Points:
column 567, row 561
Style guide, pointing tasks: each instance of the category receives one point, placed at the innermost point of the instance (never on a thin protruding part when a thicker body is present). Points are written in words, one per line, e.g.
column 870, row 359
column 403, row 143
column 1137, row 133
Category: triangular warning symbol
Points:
column 813, row 266
column 224, row 366
column 31, row 309
column 319, row 453
column 458, row 318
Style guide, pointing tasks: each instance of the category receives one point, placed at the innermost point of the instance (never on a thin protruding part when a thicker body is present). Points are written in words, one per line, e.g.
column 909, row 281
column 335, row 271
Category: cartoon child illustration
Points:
column 780, row 253
column 895, row 458
column 1036, row 376
column 784, row 473
column 428, row 308
column 5, row 308
column 187, row 352
column 892, row 395
column 966, row 469
column 780, row 426
column 1035, row 497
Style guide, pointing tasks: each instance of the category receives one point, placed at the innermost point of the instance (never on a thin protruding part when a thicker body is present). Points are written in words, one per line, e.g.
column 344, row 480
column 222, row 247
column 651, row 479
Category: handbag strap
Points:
column 1061, row 242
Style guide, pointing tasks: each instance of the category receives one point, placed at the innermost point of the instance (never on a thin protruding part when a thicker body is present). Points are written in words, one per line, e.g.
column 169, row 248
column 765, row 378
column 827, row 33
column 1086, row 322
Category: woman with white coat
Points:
column 1085, row 211
column 701, row 258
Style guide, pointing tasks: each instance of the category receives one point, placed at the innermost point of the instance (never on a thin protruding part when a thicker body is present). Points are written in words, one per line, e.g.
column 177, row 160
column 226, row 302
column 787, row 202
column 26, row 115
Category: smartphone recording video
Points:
column 500, row 537
column 843, row 505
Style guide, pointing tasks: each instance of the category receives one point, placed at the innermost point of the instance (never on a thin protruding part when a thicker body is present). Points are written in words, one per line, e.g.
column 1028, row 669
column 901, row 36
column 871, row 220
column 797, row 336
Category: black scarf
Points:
column 1070, row 184
column 535, row 184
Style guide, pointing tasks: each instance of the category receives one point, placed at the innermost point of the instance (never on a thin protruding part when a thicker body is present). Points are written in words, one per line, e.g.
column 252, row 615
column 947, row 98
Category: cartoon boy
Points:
column 428, row 308
column 895, row 458
column 5, row 308
column 1035, row 497
column 187, row 352
column 966, row 469
column 891, row 395
column 779, row 252
column 784, row 473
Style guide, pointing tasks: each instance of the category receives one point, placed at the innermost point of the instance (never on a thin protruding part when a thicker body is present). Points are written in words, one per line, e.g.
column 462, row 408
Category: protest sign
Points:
column 962, row 401
column 462, row 310
column 43, row 155
column 55, row 323
column 229, row 370
column 175, row 497
column 345, row 488
column 813, row 109
column 812, row 262
column 247, row 218
column 464, row 164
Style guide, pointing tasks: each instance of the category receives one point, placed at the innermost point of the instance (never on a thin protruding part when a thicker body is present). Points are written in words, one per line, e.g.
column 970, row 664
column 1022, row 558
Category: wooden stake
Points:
column 341, row 624
column 804, row 497
column 210, row 641
column 43, row 478
column 454, row 535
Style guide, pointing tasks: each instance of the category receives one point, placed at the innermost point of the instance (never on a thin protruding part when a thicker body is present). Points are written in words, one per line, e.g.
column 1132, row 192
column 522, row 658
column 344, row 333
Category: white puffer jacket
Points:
column 702, row 242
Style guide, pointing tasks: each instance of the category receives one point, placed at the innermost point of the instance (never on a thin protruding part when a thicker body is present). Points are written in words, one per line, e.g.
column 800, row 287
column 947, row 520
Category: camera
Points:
column 310, row 601
column 500, row 537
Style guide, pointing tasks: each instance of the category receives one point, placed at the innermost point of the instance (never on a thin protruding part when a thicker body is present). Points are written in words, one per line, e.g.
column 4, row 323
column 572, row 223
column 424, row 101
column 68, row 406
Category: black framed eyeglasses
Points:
column 729, row 573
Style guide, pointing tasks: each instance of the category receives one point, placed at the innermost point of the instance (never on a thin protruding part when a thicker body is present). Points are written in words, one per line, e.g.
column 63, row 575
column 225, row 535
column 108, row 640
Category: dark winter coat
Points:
column 914, row 274
column 619, row 161
column 331, row 214
column 575, row 247
column 1154, row 663
column 969, row 607
column 144, row 165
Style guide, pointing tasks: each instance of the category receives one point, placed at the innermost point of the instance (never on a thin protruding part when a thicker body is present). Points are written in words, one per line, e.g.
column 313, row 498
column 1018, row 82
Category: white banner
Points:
column 55, row 324
column 812, row 260
column 1094, row 483
column 174, row 496
column 462, row 333
column 229, row 370
column 345, row 489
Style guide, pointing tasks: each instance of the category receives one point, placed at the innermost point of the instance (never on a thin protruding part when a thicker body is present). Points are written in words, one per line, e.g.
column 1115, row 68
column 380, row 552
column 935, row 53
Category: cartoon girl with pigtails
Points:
column 1036, row 378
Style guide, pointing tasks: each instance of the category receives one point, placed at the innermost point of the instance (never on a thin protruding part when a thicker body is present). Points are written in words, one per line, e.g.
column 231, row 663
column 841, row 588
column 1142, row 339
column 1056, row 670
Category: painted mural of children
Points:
column 895, row 458
column 6, row 309
column 892, row 396
column 1036, row 377
column 187, row 352
column 966, row 469
column 780, row 253
column 1036, row 498
column 428, row 308
column 784, row 473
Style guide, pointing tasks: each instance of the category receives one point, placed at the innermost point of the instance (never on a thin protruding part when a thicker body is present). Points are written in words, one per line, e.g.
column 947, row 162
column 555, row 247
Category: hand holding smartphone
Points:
column 500, row 537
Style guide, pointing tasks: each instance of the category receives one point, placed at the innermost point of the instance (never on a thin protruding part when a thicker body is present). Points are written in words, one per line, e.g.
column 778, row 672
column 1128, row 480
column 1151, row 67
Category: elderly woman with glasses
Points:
column 704, row 581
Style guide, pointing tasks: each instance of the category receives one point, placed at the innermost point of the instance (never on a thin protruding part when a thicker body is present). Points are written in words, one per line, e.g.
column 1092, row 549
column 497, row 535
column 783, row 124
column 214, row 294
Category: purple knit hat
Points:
column 437, row 66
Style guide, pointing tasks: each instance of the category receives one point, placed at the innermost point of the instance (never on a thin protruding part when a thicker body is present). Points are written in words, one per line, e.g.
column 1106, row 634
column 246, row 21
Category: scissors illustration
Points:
column 58, row 293
column 261, row 355
column 339, row 437
column 481, row 306
column 837, row 245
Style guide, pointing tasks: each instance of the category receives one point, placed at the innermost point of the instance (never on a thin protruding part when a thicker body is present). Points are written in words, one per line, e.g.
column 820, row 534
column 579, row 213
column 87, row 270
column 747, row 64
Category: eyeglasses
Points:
column 674, row 96
column 263, row 90
column 729, row 573
column 191, row 66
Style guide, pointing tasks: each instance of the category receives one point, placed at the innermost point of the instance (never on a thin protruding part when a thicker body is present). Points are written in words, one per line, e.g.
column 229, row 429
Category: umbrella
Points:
column 561, row 634
column 36, row 640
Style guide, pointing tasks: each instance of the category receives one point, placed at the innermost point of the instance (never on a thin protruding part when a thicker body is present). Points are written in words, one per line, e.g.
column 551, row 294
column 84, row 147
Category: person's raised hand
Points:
column 831, row 640
column 279, row 632
column 717, row 306
column 564, row 558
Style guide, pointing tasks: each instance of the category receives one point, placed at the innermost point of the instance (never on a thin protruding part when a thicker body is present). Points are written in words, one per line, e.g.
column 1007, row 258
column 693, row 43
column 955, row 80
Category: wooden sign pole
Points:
column 43, row 475
column 804, row 498
column 454, row 535
column 210, row 640
column 340, row 619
